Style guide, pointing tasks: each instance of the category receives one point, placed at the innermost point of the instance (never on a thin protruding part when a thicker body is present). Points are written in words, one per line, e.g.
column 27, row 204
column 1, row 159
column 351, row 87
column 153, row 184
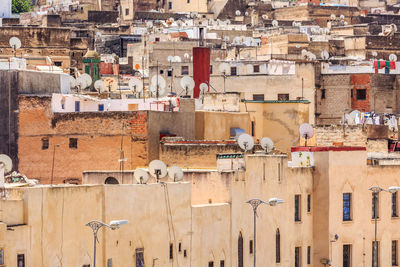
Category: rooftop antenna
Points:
column 224, row 69
column 175, row 173
column 306, row 131
column 246, row 142
column 158, row 85
column 135, row 85
column 141, row 176
column 267, row 144
column 5, row 167
column 15, row 44
column 187, row 84
column 157, row 169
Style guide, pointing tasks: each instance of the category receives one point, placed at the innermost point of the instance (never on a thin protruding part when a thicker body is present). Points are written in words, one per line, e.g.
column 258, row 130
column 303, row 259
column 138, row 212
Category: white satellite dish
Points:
column 238, row 13
column 6, row 163
column 203, row 88
column 224, row 68
column 135, row 85
column 355, row 116
column 157, row 169
column 84, row 81
column 267, row 144
column 175, row 173
column 275, row 23
column 341, row 17
column 324, row 55
column 306, row 131
column 15, row 43
column 333, row 16
column 170, row 58
column 98, row 34
column 186, row 56
column 392, row 57
column 304, row 52
column 374, row 53
column 98, row 85
column 141, row 176
column 177, row 59
column 158, row 81
column 246, row 13
column 153, row 90
column 246, row 142
column 187, row 84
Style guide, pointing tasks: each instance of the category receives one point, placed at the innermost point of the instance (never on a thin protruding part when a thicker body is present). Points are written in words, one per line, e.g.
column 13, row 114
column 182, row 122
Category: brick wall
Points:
column 350, row 135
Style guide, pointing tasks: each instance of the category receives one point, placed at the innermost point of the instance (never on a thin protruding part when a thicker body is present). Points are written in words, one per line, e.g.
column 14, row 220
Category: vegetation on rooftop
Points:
column 20, row 6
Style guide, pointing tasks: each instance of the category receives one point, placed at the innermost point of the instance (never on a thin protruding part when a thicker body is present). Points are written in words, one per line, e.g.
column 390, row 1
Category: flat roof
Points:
column 327, row 148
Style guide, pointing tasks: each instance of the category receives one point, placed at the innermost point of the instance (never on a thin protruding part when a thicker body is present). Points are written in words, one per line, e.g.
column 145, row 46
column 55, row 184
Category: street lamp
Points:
column 96, row 225
column 254, row 204
column 375, row 190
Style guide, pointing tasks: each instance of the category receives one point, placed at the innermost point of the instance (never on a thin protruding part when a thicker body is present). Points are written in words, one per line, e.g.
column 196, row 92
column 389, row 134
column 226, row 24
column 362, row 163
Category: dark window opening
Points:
column 222, row 263
column 161, row 71
column 86, row 265
column 185, row 70
column 139, row 257
column 127, row 12
column 58, row 63
column 101, row 107
column 277, row 246
column 308, row 203
column 251, row 246
column 375, row 254
column 394, row 253
column 109, row 263
column 297, row 208
column 180, row 247
column 169, row 5
column 253, row 128
column 351, row 93
column 297, row 256
column 77, row 106
column 188, row 1
column 346, row 255
column 169, row 73
column 361, row 94
column 375, row 205
column 256, row 68
column 20, row 260
column 283, row 97
column 240, row 250
column 323, row 94
column 73, row 143
column 210, row 264
column 308, row 255
column 157, row 39
column 211, row 69
column 111, row 180
column 346, row 206
column 394, row 205
column 171, row 251
column 45, row 143
column 184, row 253
column 258, row 97
column 233, row 71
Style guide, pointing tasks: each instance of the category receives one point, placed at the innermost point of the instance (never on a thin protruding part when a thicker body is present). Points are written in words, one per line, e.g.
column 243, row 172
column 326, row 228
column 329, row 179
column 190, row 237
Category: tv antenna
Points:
column 187, row 84
column 158, row 85
column 141, row 176
column 175, row 173
column 157, row 169
column 224, row 68
column 15, row 44
column 135, row 85
column 306, row 131
column 246, row 142
column 267, row 144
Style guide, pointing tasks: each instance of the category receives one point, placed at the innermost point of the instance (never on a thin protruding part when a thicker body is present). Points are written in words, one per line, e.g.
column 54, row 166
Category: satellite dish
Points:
column 304, row 52
column 153, row 90
column 267, row 144
column 224, row 68
column 157, row 169
column 98, row 34
column 275, row 23
column 355, row 116
column 15, row 43
column 333, row 16
column 324, row 54
column 246, row 142
column 158, row 81
column 203, row 87
column 170, row 58
column 342, row 17
column 177, row 59
column 6, row 163
column 84, row 81
column 141, row 176
column 187, row 84
column 186, row 56
column 246, row 13
column 238, row 13
column 392, row 57
column 135, row 85
column 175, row 173
column 306, row 131
column 374, row 53
column 98, row 85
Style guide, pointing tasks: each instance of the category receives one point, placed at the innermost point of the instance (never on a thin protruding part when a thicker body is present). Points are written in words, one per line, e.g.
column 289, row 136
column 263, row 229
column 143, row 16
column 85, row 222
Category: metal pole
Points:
column 375, row 244
column 255, row 236
column 94, row 251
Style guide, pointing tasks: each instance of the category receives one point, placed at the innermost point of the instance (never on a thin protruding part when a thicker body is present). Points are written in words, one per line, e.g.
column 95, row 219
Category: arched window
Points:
column 111, row 180
column 277, row 246
column 240, row 250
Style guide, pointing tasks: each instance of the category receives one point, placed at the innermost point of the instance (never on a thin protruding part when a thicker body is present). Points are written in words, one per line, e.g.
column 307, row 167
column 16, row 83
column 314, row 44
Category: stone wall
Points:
column 349, row 135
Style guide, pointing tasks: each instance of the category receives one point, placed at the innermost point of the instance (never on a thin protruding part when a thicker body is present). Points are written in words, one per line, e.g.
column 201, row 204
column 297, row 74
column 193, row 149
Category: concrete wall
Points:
column 5, row 9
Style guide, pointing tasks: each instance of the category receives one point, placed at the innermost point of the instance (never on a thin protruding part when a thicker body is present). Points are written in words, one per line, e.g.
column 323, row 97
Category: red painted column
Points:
column 201, row 68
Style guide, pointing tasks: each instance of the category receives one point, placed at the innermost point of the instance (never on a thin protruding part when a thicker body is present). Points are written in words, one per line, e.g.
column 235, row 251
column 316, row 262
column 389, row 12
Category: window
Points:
column 86, row 265
column 346, row 255
column 309, row 203
column 222, row 263
column 240, row 250
column 297, row 254
column 233, row 71
column 251, row 246
column 157, row 39
column 185, row 70
column 283, row 97
column 139, row 257
column 210, row 264
column 101, row 107
column 180, row 247
column 45, row 144
column 58, row 63
column 2, row 256
column 161, row 71
column 297, row 208
column 171, row 251
column 361, row 94
column 375, row 254
column 188, row 1
column 184, row 253
column 21, row 260
column 169, row 73
column 375, row 205
column 253, row 128
column 308, row 255
column 211, row 69
column 73, row 143
column 258, row 97
column 394, row 205
column 77, row 106
column 351, row 93
column 346, row 206
column 126, row 11
column 109, row 263
column 277, row 246
column 394, row 252
column 256, row 68
column 169, row 5
column 323, row 94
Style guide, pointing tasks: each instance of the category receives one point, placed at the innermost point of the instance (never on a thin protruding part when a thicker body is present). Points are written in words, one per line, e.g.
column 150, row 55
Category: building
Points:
column 5, row 7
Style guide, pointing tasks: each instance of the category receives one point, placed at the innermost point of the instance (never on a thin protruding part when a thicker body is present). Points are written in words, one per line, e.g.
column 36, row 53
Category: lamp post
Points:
column 96, row 225
column 255, row 202
column 376, row 190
